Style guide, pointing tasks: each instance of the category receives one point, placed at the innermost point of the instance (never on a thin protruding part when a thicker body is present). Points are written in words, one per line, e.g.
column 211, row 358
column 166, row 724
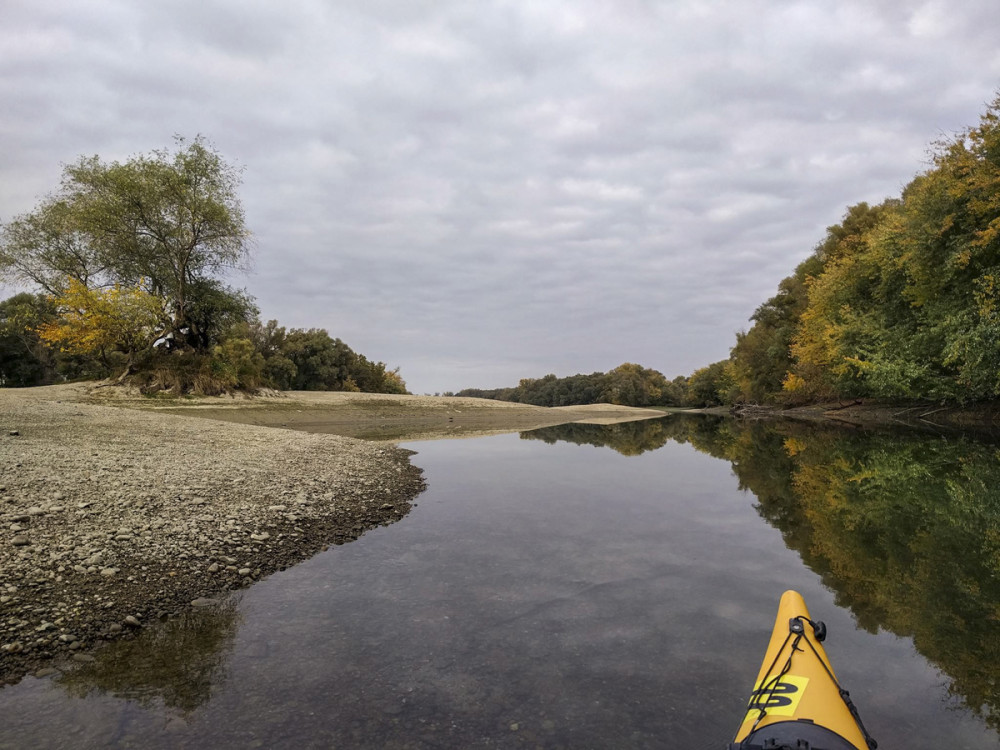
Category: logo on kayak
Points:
column 778, row 699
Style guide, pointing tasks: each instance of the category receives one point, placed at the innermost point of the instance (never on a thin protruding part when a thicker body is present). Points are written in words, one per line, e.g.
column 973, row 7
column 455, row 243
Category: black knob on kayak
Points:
column 819, row 628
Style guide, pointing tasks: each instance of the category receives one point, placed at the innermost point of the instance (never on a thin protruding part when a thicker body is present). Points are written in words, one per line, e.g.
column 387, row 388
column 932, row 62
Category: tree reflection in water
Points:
column 177, row 662
column 627, row 438
column 903, row 527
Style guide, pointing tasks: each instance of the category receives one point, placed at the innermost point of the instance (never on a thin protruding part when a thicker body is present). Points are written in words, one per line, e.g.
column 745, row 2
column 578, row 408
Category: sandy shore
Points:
column 116, row 509
column 389, row 417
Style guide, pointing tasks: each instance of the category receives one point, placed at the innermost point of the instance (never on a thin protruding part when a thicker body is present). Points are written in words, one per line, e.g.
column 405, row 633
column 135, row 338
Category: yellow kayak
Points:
column 797, row 701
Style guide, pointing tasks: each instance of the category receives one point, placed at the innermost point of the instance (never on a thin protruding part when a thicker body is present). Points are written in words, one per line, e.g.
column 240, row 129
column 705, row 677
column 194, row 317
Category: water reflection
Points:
column 627, row 438
column 904, row 528
column 177, row 663
column 569, row 597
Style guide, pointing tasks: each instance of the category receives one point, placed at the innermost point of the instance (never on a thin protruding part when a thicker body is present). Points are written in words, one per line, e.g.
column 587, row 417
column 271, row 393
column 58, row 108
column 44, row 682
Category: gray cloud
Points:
column 479, row 192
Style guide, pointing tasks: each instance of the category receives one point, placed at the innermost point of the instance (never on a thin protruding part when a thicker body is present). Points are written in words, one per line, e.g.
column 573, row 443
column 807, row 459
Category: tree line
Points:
column 127, row 261
column 900, row 300
column 627, row 385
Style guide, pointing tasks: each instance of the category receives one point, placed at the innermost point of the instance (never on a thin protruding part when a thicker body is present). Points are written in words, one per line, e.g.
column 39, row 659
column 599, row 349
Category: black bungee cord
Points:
column 796, row 628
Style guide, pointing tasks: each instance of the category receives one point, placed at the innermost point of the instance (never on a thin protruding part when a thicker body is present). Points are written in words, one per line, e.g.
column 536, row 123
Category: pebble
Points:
column 204, row 602
column 84, row 495
column 85, row 658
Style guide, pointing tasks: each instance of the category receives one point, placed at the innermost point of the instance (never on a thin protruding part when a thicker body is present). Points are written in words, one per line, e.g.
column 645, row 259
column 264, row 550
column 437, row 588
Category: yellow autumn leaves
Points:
column 126, row 319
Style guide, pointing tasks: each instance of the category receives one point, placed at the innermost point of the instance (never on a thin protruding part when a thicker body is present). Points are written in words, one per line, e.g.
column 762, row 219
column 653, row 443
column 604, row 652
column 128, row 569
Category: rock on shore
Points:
column 111, row 518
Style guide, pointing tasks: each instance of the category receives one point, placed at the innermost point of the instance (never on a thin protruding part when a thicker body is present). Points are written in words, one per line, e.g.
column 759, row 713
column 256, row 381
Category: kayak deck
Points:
column 797, row 701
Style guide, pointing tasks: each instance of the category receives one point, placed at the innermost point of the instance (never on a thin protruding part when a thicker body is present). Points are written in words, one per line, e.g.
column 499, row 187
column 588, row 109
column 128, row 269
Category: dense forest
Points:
column 127, row 262
column 900, row 301
column 628, row 385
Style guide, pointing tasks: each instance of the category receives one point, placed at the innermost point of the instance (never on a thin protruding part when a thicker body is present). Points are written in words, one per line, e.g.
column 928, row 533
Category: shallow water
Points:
column 584, row 588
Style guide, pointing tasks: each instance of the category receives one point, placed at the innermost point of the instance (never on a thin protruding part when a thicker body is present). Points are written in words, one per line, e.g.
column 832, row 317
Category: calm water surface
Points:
column 586, row 587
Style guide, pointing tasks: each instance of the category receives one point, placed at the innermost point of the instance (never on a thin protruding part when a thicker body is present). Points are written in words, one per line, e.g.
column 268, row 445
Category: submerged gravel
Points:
column 111, row 518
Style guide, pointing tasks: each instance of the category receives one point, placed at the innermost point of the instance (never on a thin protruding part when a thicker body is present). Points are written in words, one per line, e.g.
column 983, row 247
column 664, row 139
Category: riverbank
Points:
column 117, row 509
column 981, row 418
column 377, row 416
column 113, row 517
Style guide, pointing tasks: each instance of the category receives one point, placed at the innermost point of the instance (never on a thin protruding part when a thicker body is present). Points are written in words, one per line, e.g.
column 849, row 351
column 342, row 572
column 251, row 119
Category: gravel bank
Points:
column 386, row 417
column 111, row 517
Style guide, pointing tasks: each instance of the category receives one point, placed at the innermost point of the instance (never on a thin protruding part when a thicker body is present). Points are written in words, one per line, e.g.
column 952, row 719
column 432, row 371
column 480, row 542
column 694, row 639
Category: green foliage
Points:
column 236, row 364
column 710, row 386
column 172, row 218
column 170, row 222
column 762, row 356
column 132, row 254
column 215, row 311
column 627, row 385
column 47, row 246
column 25, row 359
column 311, row 360
column 900, row 300
column 632, row 385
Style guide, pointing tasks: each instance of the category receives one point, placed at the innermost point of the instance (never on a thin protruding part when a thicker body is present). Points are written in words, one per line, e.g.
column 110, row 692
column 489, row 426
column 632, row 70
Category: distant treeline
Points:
column 900, row 301
column 628, row 385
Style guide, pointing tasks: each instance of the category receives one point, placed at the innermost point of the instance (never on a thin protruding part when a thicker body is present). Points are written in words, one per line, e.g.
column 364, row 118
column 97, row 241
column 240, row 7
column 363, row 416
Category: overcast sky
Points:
column 483, row 190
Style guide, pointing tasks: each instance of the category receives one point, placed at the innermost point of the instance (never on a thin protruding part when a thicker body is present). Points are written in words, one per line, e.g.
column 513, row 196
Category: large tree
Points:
column 170, row 222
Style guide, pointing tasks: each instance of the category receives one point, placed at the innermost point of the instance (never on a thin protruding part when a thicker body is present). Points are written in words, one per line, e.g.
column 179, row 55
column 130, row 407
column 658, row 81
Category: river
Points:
column 586, row 587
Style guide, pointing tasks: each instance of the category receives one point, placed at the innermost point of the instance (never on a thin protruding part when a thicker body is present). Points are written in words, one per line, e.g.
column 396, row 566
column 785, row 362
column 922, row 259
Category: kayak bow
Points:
column 797, row 701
